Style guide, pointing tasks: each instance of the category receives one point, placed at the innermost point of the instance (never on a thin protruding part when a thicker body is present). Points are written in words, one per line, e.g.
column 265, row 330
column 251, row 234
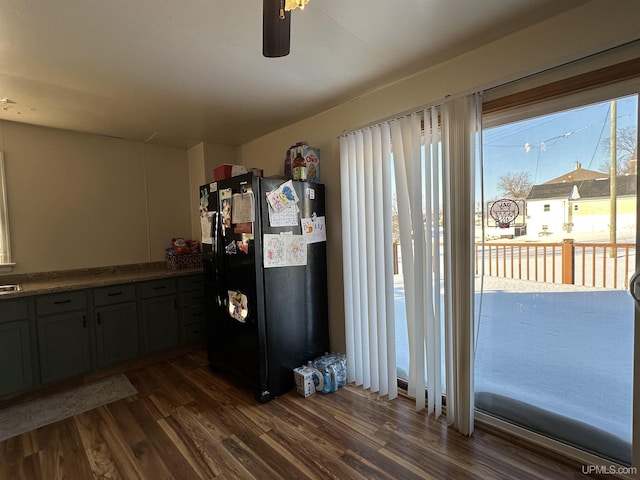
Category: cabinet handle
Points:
column 59, row 302
column 114, row 294
column 99, row 318
column 159, row 287
column 84, row 321
column 175, row 305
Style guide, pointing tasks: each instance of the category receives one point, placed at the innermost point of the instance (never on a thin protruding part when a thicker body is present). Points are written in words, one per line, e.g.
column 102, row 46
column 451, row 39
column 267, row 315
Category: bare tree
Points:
column 515, row 185
column 627, row 151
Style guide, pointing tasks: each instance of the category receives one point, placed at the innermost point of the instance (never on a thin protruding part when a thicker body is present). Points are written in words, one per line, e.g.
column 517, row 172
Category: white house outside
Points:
column 581, row 206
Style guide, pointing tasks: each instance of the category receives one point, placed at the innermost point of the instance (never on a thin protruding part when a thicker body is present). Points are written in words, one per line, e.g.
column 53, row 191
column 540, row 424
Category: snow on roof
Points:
column 578, row 175
column 593, row 188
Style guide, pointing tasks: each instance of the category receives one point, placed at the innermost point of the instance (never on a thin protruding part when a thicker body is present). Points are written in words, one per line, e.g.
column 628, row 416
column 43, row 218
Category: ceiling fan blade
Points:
column 276, row 31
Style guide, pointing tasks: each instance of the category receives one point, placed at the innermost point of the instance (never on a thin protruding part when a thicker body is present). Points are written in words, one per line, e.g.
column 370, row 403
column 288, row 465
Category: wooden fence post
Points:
column 395, row 258
column 568, row 262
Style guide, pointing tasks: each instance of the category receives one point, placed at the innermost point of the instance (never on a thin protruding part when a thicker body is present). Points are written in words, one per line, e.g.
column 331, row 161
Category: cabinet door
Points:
column 15, row 357
column 63, row 346
column 116, row 333
column 161, row 329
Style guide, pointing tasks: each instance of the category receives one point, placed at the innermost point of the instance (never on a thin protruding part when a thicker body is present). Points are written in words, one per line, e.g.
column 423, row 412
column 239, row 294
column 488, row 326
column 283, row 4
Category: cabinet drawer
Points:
column 195, row 333
column 11, row 310
column 194, row 282
column 192, row 314
column 158, row 288
column 192, row 298
column 61, row 302
column 114, row 294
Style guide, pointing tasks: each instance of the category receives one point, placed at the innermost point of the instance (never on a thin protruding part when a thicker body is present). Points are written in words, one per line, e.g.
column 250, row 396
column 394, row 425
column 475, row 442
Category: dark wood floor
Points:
column 187, row 423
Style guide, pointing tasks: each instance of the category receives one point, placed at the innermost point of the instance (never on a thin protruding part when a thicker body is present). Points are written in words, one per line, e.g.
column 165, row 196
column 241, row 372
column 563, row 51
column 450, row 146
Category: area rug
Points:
column 43, row 411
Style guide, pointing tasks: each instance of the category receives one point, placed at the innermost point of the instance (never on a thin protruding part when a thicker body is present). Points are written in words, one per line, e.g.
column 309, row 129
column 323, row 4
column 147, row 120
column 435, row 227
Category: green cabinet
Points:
column 16, row 372
column 192, row 308
column 50, row 337
column 116, row 324
column 160, row 322
column 63, row 335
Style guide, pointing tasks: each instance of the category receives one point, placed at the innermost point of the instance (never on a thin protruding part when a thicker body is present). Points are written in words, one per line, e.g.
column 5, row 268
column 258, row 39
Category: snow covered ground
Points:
column 563, row 348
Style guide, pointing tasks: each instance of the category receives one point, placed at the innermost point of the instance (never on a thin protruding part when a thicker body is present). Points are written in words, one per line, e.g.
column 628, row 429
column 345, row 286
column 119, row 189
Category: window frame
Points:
column 617, row 80
column 6, row 264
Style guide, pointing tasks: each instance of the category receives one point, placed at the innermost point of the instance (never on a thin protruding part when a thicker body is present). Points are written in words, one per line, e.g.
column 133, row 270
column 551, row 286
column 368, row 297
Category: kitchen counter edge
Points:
column 51, row 282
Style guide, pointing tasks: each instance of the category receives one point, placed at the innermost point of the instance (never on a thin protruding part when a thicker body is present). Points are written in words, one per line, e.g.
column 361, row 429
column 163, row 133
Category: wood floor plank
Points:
column 371, row 471
column 151, row 460
column 360, row 444
column 102, row 433
column 251, row 460
column 72, row 463
column 310, row 461
column 219, row 461
column 186, row 422
column 151, row 424
column 325, row 461
column 184, row 445
column 298, row 468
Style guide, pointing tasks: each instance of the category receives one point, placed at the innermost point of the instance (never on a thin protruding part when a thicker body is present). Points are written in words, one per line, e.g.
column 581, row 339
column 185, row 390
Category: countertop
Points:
column 51, row 282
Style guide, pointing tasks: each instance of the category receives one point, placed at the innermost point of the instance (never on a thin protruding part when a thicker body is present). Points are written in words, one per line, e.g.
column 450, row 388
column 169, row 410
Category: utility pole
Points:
column 612, row 178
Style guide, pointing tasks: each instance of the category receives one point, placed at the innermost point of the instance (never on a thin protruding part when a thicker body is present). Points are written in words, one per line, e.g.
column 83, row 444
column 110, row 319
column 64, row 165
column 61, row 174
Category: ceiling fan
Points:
column 276, row 26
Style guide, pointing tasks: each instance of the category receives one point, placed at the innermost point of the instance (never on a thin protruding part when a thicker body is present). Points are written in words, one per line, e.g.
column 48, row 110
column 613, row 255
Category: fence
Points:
column 606, row 265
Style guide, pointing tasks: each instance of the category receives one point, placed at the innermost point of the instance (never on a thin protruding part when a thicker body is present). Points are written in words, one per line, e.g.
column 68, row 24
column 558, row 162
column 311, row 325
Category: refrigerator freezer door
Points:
column 295, row 297
column 233, row 341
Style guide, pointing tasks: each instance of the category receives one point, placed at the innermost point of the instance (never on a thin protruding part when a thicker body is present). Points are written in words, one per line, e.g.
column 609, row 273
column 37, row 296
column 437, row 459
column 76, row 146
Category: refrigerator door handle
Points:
column 221, row 259
column 216, row 256
column 634, row 288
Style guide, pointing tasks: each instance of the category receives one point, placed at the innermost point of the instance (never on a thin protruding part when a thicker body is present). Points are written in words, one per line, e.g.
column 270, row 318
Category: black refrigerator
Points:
column 265, row 279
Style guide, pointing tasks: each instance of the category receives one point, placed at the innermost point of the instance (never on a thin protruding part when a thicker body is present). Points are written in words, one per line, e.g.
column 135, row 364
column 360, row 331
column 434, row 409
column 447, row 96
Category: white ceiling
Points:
column 187, row 71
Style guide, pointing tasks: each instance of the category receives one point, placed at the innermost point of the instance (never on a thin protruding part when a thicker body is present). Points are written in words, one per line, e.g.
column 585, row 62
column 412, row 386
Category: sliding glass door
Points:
column 556, row 236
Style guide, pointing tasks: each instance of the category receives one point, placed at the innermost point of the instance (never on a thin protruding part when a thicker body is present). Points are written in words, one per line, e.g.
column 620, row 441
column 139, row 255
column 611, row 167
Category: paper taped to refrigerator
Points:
column 238, row 306
column 285, row 218
column 206, row 224
column 243, row 210
column 282, row 197
column 313, row 229
column 225, row 207
column 284, row 250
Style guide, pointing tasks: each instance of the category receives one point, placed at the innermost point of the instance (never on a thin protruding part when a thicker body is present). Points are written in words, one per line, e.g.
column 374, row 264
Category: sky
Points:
column 550, row 145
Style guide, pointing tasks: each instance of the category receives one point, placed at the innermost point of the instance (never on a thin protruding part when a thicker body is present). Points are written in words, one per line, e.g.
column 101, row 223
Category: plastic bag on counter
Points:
column 180, row 246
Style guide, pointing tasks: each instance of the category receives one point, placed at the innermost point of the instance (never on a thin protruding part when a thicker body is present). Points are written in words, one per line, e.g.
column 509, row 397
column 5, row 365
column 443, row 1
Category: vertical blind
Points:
column 432, row 169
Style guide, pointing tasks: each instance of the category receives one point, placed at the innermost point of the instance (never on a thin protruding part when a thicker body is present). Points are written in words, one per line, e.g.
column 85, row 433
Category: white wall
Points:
column 554, row 218
column 595, row 27
column 79, row 201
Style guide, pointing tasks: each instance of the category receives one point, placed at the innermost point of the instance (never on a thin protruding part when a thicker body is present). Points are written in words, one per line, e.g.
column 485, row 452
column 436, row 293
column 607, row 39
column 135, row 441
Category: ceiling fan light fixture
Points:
column 293, row 4
column 276, row 29
column 276, row 26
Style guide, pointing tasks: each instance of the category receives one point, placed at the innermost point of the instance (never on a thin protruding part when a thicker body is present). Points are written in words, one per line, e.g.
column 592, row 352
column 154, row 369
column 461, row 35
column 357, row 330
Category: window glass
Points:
column 555, row 322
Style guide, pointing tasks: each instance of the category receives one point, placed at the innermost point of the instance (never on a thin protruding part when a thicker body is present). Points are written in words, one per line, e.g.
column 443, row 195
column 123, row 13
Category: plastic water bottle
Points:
column 318, row 378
